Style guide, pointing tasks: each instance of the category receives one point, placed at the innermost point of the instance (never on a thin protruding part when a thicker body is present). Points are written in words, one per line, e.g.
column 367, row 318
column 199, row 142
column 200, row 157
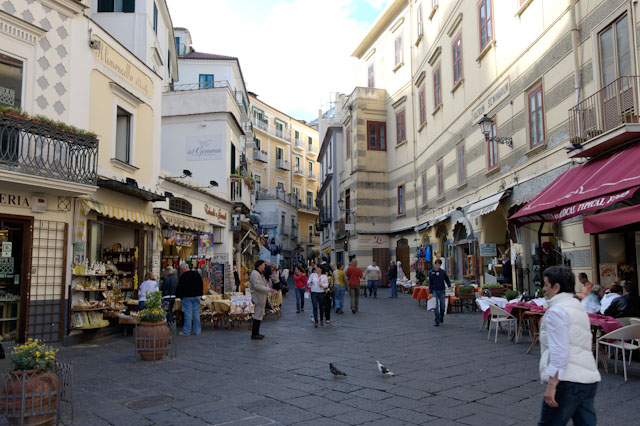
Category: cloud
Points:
column 293, row 53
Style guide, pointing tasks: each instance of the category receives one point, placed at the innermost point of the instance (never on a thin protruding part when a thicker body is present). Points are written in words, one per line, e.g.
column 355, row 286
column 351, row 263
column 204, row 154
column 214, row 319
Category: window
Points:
column 370, row 76
column 283, row 220
column 310, row 230
column 462, row 164
column 440, row 177
column 376, row 135
column 177, row 41
column 401, row 134
column 297, row 137
column 310, row 168
column 348, row 142
column 400, row 200
column 155, row 18
column 180, row 205
column 422, row 106
column 493, row 159
column 126, row 6
column 310, row 142
column 279, row 153
column 536, row 117
column 257, row 179
column 296, row 193
column 423, row 183
column 398, row 50
column 486, row 23
column 297, row 162
column 206, row 81
column 437, row 87
column 615, row 52
column 123, row 136
column 280, row 186
column 258, row 143
column 309, row 199
column 457, row 59
column 419, row 16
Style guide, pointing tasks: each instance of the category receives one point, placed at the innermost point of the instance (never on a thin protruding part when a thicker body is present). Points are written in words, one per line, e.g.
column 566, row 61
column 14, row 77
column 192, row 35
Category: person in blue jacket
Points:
column 437, row 278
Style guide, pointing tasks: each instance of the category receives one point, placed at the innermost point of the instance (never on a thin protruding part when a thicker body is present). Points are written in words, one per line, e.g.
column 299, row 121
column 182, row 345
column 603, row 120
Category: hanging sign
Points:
column 205, row 245
column 488, row 250
column 6, row 249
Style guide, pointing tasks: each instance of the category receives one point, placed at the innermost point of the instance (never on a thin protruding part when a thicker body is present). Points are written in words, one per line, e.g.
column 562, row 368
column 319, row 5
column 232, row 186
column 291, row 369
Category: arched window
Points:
column 180, row 205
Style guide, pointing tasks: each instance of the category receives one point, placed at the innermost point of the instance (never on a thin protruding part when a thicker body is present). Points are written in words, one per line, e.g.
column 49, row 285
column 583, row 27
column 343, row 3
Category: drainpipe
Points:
column 574, row 46
column 413, row 113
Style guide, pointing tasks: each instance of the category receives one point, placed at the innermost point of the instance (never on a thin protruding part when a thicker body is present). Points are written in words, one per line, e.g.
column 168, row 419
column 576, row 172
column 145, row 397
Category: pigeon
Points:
column 335, row 371
column 384, row 370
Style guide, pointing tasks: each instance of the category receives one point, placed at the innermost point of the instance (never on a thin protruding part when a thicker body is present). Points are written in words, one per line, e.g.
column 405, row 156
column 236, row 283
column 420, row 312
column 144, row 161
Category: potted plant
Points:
column 153, row 335
column 31, row 383
column 512, row 294
column 466, row 292
column 494, row 288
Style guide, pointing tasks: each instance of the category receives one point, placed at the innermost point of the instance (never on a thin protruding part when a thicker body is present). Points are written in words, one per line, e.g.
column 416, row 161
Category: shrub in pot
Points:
column 153, row 335
column 512, row 294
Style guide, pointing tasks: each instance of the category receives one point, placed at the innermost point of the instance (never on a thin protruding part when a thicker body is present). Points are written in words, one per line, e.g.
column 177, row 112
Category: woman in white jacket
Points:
column 566, row 360
column 318, row 282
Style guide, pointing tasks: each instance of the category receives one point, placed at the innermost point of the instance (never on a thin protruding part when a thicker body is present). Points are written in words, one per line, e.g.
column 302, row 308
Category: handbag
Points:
column 307, row 295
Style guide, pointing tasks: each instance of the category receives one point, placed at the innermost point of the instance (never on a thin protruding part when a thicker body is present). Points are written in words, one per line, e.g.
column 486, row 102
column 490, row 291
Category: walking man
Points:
column 189, row 291
column 354, row 274
column 393, row 276
column 437, row 279
column 372, row 276
column 566, row 358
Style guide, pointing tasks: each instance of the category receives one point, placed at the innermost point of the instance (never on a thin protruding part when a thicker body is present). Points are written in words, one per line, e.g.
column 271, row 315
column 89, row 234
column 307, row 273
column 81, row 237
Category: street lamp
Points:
column 341, row 204
column 485, row 127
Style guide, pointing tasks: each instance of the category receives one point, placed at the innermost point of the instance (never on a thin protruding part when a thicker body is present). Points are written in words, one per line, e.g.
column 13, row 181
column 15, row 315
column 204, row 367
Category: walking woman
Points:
column 259, row 291
column 301, row 287
column 339, row 287
column 318, row 283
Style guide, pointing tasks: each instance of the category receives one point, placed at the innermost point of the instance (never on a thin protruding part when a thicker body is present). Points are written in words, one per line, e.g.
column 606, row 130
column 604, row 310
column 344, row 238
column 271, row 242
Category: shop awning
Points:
column 482, row 207
column 591, row 186
column 183, row 221
column 120, row 213
column 429, row 223
column 609, row 220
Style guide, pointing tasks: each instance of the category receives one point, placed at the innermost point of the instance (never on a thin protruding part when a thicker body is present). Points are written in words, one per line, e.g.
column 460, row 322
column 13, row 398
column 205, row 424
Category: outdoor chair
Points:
column 618, row 339
column 499, row 316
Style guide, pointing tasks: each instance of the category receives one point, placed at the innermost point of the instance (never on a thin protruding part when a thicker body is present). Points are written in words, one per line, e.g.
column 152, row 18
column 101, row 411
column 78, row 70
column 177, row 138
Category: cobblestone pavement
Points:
column 447, row 375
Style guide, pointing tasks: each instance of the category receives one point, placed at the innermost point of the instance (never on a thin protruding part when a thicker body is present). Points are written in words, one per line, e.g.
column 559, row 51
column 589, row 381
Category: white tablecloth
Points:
column 484, row 302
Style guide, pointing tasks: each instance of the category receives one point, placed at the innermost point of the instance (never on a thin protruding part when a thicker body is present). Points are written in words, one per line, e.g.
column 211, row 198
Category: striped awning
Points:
column 121, row 213
column 181, row 221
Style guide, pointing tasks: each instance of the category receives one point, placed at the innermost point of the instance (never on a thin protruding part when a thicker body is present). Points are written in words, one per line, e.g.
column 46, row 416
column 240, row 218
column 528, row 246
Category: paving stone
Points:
column 408, row 415
column 358, row 417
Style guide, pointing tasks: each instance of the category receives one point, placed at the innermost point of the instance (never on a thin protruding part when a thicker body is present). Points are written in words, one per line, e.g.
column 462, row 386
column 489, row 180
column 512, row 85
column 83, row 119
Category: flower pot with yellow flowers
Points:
column 29, row 392
column 152, row 335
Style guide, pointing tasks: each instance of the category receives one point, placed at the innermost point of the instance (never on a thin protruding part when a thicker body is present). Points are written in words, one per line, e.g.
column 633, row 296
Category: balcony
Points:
column 283, row 164
column 294, row 233
column 260, row 156
column 284, row 134
column 605, row 120
column 308, row 208
column 247, row 127
column 285, row 230
column 240, row 192
column 298, row 171
column 313, row 175
column 311, row 149
column 297, row 143
column 261, row 124
column 43, row 150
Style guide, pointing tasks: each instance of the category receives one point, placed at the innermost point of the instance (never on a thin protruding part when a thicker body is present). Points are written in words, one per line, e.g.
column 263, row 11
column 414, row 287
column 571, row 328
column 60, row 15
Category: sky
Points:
column 294, row 54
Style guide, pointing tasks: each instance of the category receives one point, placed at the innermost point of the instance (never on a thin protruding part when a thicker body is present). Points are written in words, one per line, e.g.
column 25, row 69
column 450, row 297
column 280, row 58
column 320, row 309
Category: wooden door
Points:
column 381, row 257
column 402, row 254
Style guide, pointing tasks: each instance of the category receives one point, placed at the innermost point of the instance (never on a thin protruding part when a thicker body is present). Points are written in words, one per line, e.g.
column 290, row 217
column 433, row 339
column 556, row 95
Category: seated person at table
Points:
column 591, row 302
column 614, row 292
column 587, row 287
column 627, row 305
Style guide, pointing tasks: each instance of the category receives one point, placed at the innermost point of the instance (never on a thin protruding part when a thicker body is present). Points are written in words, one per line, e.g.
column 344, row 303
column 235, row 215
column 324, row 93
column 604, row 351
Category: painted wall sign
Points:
column 488, row 250
column 204, row 147
column 491, row 101
column 218, row 213
column 373, row 241
column 121, row 66
column 13, row 200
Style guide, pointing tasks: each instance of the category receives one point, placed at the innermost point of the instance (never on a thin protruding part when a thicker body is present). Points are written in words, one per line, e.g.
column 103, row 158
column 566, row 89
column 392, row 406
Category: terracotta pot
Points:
column 152, row 340
column 39, row 396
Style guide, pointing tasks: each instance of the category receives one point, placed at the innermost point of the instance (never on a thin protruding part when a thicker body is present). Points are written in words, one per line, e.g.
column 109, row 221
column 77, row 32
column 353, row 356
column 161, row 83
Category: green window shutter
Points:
column 105, row 5
column 129, row 6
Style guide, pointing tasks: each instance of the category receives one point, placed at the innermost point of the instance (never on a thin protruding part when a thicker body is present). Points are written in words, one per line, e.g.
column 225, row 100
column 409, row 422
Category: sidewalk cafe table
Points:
column 421, row 293
column 601, row 325
column 534, row 317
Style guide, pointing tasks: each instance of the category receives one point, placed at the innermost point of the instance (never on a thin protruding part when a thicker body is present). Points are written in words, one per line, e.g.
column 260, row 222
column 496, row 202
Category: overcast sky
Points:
column 293, row 53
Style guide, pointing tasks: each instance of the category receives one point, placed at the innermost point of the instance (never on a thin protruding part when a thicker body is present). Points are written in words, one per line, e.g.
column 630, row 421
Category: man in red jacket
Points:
column 354, row 274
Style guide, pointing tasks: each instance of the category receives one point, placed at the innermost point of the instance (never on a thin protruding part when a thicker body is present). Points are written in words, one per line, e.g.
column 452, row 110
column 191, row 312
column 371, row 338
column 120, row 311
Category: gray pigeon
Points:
column 335, row 371
column 384, row 370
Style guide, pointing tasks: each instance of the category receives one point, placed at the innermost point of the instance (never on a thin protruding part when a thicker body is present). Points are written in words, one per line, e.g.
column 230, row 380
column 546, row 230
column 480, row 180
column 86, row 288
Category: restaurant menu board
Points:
column 608, row 274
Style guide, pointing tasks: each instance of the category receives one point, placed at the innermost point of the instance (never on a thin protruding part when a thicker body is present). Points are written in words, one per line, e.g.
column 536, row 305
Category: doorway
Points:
column 381, row 257
column 402, row 255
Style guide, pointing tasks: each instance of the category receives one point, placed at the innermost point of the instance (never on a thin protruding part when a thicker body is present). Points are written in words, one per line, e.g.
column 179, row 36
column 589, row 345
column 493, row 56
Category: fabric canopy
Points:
column 120, row 213
column 484, row 206
column 614, row 219
column 181, row 221
column 591, row 186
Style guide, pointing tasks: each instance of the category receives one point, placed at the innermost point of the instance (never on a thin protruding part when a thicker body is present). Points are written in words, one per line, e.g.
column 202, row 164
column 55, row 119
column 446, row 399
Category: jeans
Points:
column 354, row 293
column 317, row 300
column 169, row 310
column 328, row 298
column 372, row 285
column 440, row 306
column 191, row 308
column 394, row 287
column 338, row 296
column 299, row 299
column 575, row 401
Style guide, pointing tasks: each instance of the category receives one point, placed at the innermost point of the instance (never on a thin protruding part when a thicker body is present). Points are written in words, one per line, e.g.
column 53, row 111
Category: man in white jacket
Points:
column 566, row 361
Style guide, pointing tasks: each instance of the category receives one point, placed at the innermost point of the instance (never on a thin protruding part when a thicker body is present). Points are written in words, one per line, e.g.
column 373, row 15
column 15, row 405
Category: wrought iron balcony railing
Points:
column 260, row 124
column 283, row 164
column 283, row 134
column 39, row 149
column 613, row 105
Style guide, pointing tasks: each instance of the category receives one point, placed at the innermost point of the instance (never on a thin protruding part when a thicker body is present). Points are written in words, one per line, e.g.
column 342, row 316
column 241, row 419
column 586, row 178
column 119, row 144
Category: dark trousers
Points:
column 317, row 300
column 328, row 297
column 171, row 301
column 575, row 402
column 255, row 330
column 440, row 305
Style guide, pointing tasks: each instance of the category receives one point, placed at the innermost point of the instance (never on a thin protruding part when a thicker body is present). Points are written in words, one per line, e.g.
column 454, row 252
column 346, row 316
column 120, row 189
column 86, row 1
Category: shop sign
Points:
column 373, row 241
column 121, row 66
column 6, row 248
column 13, row 200
column 220, row 258
column 217, row 213
column 491, row 101
column 204, row 147
column 205, row 245
column 488, row 250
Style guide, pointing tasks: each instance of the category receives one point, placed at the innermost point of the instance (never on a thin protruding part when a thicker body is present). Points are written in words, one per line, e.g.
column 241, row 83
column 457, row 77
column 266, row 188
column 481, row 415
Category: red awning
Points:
column 591, row 186
column 614, row 219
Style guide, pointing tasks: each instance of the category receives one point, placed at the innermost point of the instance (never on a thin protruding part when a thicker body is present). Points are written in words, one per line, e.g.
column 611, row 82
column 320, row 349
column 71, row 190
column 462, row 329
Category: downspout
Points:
column 574, row 46
column 413, row 114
